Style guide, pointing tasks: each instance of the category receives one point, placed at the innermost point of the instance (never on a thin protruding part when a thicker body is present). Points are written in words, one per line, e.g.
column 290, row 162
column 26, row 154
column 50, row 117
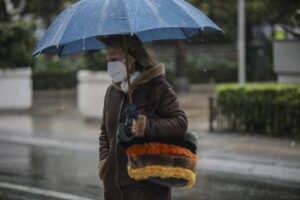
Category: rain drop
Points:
column 83, row 45
column 293, row 143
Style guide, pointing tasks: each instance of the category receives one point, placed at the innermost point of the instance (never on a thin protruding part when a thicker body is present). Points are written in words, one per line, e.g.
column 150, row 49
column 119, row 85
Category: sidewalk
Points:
column 55, row 122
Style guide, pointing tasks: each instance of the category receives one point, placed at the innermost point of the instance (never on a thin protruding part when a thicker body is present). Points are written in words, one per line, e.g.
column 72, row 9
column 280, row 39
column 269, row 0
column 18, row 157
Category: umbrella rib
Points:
column 60, row 50
column 64, row 23
column 200, row 35
column 68, row 22
column 186, row 13
column 127, row 16
column 186, row 35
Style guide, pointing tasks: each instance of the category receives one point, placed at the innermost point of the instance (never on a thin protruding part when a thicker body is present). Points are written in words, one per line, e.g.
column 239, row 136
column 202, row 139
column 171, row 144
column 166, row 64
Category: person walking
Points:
column 149, row 87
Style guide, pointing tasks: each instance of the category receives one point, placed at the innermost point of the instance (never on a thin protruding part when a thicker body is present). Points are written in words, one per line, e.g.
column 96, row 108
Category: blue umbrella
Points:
column 77, row 27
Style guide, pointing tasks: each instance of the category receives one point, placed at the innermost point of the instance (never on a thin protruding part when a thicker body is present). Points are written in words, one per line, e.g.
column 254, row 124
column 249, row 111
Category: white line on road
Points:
column 249, row 168
column 49, row 142
column 37, row 191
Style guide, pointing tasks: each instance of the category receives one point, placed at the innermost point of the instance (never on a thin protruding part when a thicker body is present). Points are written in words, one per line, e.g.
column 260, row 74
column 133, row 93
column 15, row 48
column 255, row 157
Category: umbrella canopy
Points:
column 77, row 27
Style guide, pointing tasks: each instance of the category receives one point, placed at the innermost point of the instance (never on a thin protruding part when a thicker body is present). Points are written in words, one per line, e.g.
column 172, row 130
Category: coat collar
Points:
column 145, row 76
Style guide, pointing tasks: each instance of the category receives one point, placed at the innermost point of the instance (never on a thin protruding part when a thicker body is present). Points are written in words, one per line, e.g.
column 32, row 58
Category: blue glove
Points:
column 124, row 129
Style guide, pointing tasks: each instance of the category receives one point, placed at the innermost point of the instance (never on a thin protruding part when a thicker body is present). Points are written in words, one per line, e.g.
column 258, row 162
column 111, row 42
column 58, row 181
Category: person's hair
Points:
column 135, row 49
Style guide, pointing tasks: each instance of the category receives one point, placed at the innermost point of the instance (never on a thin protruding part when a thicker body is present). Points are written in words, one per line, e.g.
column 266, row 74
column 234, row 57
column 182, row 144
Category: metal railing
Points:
column 267, row 118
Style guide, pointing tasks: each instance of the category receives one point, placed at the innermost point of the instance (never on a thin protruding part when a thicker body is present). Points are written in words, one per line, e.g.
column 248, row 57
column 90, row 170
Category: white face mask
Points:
column 117, row 71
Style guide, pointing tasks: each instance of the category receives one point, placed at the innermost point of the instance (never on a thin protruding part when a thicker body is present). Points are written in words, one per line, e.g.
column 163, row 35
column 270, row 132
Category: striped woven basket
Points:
column 169, row 162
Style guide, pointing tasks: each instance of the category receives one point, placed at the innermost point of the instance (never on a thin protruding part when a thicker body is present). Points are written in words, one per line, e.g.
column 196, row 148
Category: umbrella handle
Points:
column 127, row 69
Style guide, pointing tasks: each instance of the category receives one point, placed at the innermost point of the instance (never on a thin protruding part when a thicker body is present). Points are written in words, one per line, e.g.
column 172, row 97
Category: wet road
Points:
column 52, row 154
column 73, row 172
column 50, row 169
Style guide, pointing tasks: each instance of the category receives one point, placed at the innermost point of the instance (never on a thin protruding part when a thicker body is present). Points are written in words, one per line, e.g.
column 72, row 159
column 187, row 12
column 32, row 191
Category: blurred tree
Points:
column 11, row 9
column 95, row 60
column 3, row 14
column 258, row 12
column 17, row 42
column 181, row 81
column 47, row 10
column 261, row 16
column 16, row 36
column 219, row 12
column 279, row 11
column 224, row 13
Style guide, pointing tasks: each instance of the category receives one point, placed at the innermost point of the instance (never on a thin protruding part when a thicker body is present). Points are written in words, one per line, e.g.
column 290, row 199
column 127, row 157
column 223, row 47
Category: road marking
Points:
column 43, row 192
column 244, row 167
column 49, row 142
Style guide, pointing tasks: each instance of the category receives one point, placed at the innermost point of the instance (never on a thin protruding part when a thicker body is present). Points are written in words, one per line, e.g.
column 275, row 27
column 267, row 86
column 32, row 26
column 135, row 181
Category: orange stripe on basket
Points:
column 158, row 148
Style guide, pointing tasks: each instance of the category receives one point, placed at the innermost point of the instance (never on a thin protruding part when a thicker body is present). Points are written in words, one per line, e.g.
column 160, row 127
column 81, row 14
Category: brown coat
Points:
column 168, row 120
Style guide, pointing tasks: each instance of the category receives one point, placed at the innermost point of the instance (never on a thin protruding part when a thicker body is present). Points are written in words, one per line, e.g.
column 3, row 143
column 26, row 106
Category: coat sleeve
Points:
column 103, row 138
column 171, row 120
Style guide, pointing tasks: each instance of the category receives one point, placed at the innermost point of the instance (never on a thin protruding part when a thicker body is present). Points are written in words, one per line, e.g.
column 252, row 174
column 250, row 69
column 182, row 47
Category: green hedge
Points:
column 209, row 68
column 95, row 60
column 204, row 68
column 268, row 108
column 17, row 43
column 56, row 73
column 45, row 81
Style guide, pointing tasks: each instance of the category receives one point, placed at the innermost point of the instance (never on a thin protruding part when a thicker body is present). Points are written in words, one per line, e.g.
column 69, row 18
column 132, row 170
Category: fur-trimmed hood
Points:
column 145, row 76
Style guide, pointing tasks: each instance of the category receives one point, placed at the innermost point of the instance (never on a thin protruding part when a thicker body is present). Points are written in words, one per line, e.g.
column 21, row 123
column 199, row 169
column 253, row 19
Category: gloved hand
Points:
column 135, row 124
column 124, row 129
column 131, row 114
column 138, row 126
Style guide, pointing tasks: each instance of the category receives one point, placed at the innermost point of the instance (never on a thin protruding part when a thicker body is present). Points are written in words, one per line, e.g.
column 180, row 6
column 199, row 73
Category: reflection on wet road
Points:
column 51, row 153
column 73, row 172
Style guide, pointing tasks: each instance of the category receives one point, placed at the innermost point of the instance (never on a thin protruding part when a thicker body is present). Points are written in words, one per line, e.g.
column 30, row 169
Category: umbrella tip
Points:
column 35, row 55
